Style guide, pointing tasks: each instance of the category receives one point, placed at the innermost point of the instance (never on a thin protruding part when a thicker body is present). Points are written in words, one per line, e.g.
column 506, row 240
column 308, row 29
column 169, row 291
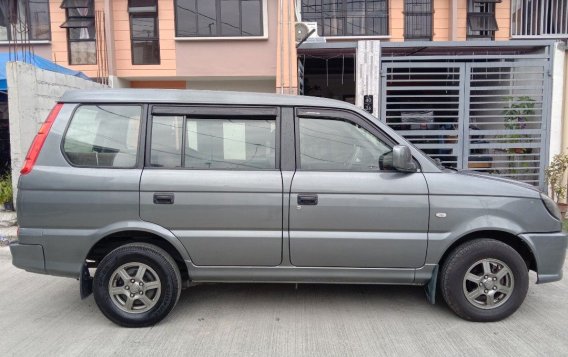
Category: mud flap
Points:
column 85, row 282
column 430, row 288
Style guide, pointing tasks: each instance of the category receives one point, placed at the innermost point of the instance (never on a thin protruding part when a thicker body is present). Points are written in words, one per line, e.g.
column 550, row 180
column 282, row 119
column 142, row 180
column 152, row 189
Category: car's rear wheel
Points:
column 484, row 280
column 137, row 285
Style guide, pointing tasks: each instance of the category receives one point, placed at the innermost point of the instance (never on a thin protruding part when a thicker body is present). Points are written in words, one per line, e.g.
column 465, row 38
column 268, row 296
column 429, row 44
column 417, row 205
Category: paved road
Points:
column 43, row 315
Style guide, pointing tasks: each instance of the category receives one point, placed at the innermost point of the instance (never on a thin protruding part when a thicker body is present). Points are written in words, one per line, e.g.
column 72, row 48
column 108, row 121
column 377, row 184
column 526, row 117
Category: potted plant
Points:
column 516, row 114
column 555, row 176
column 6, row 194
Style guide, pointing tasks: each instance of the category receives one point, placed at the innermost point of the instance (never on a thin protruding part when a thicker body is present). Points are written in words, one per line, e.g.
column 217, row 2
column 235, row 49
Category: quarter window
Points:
column 222, row 144
column 219, row 18
column 336, row 145
column 103, row 136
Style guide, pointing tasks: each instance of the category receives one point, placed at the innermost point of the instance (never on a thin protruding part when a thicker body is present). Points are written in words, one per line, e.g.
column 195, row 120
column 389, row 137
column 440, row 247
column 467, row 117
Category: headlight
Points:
column 551, row 206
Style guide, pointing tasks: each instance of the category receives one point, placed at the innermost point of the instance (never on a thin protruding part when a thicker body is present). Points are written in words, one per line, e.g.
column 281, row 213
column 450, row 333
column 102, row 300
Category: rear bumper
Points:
column 28, row 257
column 550, row 252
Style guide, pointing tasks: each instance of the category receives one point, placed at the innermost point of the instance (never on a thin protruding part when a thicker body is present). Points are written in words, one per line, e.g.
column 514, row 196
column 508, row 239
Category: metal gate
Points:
column 485, row 116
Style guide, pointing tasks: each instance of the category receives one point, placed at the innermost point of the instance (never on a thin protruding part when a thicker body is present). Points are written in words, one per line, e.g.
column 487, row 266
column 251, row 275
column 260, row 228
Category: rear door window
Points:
column 213, row 143
column 103, row 136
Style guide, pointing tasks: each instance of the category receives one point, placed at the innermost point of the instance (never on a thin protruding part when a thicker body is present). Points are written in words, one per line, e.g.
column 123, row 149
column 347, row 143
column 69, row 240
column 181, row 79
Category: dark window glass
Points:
column 336, row 145
column 206, row 18
column 481, row 21
column 144, row 27
column 230, row 18
column 81, row 31
column 221, row 144
column 67, row 4
column 103, row 136
column 347, row 17
column 218, row 18
column 30, row 15
column 145, row 43
column 145, row 52
column 418, row 20
column 186, row 12
column 141, row 3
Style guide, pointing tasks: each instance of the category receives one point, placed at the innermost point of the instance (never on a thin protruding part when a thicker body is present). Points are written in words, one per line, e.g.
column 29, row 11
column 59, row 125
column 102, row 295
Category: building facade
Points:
column 477, row 84
column 213, row 44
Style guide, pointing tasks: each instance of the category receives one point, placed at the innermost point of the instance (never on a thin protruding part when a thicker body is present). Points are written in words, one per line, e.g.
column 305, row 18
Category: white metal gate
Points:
column 485, row 116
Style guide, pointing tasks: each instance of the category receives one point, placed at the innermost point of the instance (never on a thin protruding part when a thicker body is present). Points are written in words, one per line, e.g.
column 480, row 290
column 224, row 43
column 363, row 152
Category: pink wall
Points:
column 232, row 58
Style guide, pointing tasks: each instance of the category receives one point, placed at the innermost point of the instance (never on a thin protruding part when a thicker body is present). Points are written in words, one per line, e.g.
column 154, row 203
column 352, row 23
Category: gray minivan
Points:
column 153, row 190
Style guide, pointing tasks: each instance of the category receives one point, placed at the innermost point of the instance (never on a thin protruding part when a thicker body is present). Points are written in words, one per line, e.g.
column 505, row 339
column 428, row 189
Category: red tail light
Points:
column 39, row 139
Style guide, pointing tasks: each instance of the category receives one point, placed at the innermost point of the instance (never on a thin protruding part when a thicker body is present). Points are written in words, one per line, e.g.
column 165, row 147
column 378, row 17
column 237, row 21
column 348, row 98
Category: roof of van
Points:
column 186, row 96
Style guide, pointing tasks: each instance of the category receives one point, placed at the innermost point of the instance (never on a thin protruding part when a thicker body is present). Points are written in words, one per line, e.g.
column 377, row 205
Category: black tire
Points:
column 456, row 267
column 157, row 260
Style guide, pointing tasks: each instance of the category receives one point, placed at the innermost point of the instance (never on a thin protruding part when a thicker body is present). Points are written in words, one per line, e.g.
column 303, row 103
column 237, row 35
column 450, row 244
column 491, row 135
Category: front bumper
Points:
column 550, row 252
column 28, row 257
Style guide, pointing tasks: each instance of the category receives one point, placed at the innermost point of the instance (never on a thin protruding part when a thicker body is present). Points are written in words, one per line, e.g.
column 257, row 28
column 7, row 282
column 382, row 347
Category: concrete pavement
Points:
column 43, row 315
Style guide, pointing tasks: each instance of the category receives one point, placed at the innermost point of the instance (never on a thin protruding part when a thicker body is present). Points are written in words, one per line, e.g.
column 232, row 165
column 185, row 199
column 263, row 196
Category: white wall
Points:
column 32, row 93
column 558, row 77
column 368, row 73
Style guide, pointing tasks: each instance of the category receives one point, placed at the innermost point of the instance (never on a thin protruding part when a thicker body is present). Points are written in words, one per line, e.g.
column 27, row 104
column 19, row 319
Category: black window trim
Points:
column 488, row 34
column 152, row 11
column 414, row 37
column 218, row 35
column 342, row 115
column 68, row 30
column 344, row 20
column 141, row 132
column 32, row 41
column 212, row 112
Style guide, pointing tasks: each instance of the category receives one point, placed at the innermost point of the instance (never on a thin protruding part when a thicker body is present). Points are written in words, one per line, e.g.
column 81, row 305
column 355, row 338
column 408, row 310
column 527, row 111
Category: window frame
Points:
column 68, row 31
column 28, row 21
column 218, row 36
column 141, row 131
column 473, row 12
column 343, row 11
column 217, row 112
column 342, row 115
column 415, row 37
column 144, row 14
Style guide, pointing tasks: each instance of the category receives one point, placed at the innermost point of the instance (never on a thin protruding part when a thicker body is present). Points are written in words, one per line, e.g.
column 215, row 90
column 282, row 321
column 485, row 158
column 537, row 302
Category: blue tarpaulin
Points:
column 37, row 61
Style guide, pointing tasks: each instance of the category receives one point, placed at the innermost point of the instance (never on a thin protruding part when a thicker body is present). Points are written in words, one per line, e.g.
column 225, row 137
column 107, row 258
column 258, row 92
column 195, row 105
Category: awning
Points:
column 35, row 60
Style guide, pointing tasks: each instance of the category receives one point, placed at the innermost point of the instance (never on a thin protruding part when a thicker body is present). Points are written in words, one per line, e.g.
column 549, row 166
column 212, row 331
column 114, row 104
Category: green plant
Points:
column 516, row 114
column 6, row 194
column 555, row 175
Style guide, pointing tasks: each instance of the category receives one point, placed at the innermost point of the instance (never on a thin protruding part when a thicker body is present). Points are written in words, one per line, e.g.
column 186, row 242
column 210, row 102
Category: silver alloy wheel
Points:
column 134, row 287
column 488, row 283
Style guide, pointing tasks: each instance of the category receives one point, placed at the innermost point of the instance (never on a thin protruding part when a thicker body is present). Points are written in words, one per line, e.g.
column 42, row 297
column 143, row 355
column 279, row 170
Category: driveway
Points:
column 43, row 315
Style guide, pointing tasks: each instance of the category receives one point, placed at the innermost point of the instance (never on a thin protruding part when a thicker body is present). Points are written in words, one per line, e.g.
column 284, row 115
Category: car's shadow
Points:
column 309, row 297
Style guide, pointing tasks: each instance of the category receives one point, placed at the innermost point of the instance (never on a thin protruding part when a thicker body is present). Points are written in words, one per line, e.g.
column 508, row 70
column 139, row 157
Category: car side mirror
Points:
column 402, row 159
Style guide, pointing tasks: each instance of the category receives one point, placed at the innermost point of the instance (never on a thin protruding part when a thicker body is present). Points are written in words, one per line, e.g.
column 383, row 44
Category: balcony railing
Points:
column 539, row 18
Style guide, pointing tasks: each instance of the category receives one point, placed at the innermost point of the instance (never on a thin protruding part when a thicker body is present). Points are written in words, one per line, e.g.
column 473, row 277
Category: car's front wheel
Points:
column 137, row 285
column 484, row 280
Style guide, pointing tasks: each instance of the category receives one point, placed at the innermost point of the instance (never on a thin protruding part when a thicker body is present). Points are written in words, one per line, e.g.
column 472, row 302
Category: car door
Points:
column 348, row 207
column 212, row 177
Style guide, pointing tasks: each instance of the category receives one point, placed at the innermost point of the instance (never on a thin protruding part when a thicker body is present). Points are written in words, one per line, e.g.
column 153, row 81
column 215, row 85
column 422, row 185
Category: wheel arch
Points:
column 113, row 240
column 517, row 243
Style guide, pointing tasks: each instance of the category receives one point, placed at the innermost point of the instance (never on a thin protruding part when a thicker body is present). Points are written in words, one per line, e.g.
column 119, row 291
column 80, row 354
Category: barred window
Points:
column 418, row 20
column 347, row 17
